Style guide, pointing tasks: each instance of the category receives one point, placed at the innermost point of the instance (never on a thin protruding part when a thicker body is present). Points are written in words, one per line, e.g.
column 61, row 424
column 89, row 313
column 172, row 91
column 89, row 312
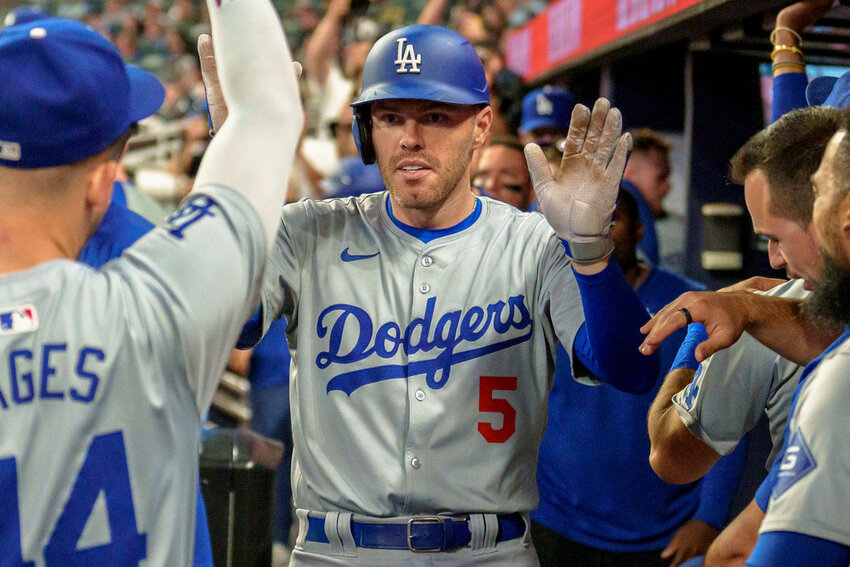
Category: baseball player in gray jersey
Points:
column 807, row 516
column 105, row 372
column 733, row 387
column 423, row 320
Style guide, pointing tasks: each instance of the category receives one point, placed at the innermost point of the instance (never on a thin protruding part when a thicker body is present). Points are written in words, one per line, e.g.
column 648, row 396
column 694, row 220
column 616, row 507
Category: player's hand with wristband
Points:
column 216, row 105
column 579, row 200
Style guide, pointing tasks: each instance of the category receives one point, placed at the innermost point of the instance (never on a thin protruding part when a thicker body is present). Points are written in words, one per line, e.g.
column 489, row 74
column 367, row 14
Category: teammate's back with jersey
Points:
column 105, row 374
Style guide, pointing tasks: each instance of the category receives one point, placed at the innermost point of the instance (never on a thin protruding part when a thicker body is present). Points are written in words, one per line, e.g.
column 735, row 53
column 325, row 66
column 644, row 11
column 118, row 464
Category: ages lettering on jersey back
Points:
column 32, row 377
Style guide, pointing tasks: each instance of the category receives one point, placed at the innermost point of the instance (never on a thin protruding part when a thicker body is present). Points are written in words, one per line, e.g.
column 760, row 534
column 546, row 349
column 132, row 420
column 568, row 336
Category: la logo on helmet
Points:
column 406, row 56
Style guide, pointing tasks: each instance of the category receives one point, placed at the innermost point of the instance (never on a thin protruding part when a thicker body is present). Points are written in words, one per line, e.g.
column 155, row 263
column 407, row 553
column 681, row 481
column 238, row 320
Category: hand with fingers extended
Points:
column 724, row 316
column 216, row 105
column 579, row 200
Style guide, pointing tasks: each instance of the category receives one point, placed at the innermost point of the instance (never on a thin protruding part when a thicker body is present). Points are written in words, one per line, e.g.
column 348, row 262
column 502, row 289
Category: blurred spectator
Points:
column 24, row 14
column 340, row 130
column 647, row 179
column 332, row 71
column 617, row 512
column 546, row 115
column 353, row 178
column 502, row 173
column 506, row 89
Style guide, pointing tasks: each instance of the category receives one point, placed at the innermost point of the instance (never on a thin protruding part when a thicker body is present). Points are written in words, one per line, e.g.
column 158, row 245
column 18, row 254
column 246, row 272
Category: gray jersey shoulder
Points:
column 126, row 357
column 810, row 495
column 394, row 341
column 734, row 387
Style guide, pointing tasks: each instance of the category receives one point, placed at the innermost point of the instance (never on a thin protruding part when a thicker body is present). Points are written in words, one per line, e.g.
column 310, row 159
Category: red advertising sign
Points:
column 569, row 28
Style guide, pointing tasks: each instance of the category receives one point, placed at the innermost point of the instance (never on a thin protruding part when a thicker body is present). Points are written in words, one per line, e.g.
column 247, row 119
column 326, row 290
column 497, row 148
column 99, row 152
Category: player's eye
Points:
column 388, row 118
column 436, row 118
column 514, row 188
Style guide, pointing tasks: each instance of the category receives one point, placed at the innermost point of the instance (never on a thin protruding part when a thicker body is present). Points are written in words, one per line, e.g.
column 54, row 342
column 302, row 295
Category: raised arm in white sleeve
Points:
column 254, row 150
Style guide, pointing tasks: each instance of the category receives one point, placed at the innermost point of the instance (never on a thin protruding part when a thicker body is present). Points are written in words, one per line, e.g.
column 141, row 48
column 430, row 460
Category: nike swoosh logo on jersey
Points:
column 347, row 257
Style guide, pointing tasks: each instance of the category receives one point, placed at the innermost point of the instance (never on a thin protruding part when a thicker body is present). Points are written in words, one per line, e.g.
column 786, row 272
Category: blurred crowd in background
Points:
column 330, row 37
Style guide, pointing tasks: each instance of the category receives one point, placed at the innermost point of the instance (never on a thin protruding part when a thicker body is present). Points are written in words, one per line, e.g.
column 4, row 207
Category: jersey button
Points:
column 414, row 462
column 427, row 261
column 424, row 288
column 420, row 395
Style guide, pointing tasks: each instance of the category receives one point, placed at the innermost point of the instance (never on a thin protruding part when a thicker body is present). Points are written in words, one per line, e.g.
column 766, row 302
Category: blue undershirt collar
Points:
column 428, row 234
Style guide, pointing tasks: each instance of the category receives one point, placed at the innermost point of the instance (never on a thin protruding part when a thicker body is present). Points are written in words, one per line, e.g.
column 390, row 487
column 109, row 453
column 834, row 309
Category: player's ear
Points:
column 483, row 120
column 99, row 185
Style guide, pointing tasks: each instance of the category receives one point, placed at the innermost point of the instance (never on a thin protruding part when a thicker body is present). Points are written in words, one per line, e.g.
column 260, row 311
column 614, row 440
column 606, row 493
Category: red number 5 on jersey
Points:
column 488, row 403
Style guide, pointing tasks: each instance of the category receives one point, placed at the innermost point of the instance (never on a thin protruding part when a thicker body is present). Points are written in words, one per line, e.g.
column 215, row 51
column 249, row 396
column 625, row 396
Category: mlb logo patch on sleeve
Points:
column 797, row 462
column 23, row 319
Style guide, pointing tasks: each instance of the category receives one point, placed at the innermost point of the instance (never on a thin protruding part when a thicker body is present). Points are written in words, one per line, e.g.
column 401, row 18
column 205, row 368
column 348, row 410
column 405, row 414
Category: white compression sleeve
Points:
column 254, row 150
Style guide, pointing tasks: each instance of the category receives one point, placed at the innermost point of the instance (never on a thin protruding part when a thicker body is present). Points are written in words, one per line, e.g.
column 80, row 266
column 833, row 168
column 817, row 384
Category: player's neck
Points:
column 26, row 242
column 458, row 205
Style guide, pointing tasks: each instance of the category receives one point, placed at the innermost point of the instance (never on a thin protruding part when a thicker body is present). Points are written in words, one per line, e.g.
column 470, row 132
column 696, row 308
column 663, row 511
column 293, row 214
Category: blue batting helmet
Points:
column 417, row 62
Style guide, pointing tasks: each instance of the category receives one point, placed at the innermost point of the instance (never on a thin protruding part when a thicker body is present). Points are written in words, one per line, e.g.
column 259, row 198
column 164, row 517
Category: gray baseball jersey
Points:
column 811, row 488
column 732, row 388
column 421, row 369
column 104, row 378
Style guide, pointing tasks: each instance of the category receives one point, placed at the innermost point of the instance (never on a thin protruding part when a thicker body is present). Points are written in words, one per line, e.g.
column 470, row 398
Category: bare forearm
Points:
column 433, row 12
column 323, row 44
column 676, row 455
column 780, row 325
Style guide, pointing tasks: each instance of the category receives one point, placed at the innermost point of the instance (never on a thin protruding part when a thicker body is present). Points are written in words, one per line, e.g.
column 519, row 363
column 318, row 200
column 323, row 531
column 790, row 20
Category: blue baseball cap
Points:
column 829, row 91
column 67, row 93
column 24, row 15
column 548, row 107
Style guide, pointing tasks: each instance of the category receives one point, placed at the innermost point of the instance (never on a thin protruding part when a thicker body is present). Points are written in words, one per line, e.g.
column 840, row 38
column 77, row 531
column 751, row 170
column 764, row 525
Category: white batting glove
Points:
column 216, row 105
column 578, row 202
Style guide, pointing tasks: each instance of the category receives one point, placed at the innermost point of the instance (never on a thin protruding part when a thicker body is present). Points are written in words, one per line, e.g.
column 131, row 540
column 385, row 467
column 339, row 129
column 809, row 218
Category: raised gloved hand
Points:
column 216, row 106
column 579, row 200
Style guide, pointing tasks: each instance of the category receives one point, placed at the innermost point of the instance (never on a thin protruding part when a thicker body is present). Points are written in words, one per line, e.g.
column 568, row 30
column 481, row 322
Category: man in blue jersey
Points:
column 617, row 512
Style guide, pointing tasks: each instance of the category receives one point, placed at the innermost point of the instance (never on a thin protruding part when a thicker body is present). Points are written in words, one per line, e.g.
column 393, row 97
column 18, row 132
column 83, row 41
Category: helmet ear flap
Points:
column 361, row 128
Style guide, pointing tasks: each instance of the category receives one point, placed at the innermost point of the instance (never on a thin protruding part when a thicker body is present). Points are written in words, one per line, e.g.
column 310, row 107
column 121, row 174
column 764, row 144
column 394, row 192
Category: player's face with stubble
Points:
column 424, row 149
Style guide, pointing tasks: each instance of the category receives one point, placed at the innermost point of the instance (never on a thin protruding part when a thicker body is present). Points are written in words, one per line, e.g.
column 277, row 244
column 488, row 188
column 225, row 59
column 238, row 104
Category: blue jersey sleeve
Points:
column 791, row 549
column 607, row 343
column 270, row 359
column 252, row 331
column 718, row 486
column 118, row 230
column 789, row 93
column 765, row 489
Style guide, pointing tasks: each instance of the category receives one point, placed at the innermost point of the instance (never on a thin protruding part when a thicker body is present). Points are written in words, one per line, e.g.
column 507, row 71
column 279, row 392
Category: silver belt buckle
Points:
column 425, row 520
